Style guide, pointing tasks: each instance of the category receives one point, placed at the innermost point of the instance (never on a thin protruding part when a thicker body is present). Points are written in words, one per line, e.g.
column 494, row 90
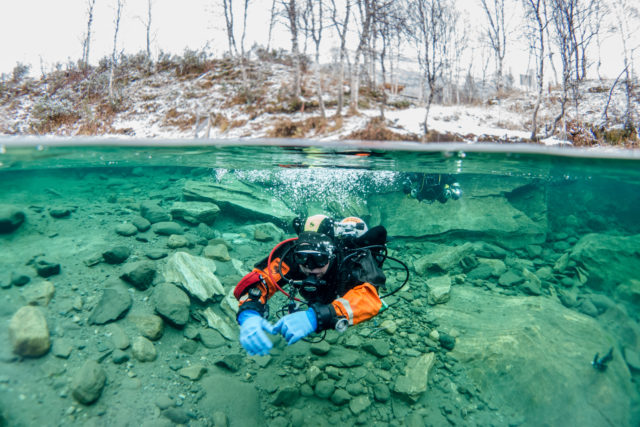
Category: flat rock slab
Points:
column 194, row 274
column 112, row 306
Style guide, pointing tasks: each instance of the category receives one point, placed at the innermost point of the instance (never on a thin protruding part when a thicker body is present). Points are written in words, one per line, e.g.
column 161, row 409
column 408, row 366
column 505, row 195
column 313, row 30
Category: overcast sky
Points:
column 44, row 32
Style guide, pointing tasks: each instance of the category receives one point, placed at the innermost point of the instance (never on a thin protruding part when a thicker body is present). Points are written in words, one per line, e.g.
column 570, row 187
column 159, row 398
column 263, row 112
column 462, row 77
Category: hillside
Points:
column 195, row 97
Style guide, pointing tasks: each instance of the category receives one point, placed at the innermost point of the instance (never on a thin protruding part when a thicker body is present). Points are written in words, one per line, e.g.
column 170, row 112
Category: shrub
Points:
column 49, row 113
column 20, row 71
column 377, row 130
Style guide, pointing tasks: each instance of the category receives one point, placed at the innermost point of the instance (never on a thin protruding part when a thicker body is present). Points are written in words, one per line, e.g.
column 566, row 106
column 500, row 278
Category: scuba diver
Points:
column 334, row 266
column 431, row 187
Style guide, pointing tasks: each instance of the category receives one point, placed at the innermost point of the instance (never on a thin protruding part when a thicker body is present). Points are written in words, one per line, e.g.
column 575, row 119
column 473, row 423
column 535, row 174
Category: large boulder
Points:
column 195, row 275
column 607, row 260
column 240, row 200
column 504, row 211
column 537, row 363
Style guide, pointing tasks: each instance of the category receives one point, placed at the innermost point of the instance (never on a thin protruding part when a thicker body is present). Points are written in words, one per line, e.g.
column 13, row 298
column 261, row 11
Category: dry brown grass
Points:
column 286, row 128
column 182, row 121
column 377, row 130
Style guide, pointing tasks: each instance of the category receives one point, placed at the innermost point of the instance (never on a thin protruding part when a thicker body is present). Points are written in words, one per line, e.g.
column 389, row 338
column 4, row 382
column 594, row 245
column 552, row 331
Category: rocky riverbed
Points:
column 116, row 308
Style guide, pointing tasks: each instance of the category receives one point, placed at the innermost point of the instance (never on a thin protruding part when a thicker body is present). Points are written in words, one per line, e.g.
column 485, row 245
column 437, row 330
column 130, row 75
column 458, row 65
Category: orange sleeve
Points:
column 271, row 277
column 359, row 304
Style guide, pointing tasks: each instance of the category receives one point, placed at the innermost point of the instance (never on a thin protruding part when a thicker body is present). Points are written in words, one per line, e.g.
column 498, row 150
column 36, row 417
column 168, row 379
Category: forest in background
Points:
column 456, row 63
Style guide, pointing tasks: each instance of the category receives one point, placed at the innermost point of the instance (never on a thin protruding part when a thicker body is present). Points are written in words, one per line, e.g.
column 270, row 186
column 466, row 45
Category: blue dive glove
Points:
column 296, row 326
column 252, row 336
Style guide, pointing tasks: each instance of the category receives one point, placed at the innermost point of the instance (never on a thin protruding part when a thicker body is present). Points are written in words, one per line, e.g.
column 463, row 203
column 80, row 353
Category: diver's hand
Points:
column 252, row 336
column 296, row 326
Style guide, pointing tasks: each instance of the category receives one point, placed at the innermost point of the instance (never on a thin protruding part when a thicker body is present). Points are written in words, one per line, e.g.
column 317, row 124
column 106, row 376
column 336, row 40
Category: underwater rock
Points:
column 240, row 400
column 112, row 306
column 265, row 232
column 510, row 278
column 491, row 214
column 172, row 303
column 413, row 383
column 381, row 392
column 325, row 388
column 10, row 218
column 444, row 258
column 505, row 359
column 340, row 397
column 217, row 252
column 231, row 362
column 195, row 212
column 88, row 382
column 607, row 260
column 344, row 358
column 377, row 347
column 240, row 200
column 19, row 278
column 359, row 404
column 439, row 289
column 39, row 293
column 149, row 325
column 143, row 350
column 286, row 395
column 152, row 212
column 116, row 255
column 320, row 348
column 167, row 228
column 126, row 229
column 60, row 212
column 226, row 326
column 142, row 224
column 29, row 332
column 118, row 336
column 62, row 348
column 193, row 372
column 177, row 416
column 155, row 254
column 211, row 338
column 139, row 274
column 47, row 268
column 176, row 241
column 195, row 275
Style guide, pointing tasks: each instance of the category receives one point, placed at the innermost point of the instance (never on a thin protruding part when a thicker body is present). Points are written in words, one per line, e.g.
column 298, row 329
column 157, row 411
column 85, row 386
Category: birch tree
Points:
column 627, row 15
column 313, row 20
column 340, row 19
column 86, row 43
column 536, row 16
column 432, row 26
column 496, row 34
column 227, row 6
column 114, row 53
column 292, row 16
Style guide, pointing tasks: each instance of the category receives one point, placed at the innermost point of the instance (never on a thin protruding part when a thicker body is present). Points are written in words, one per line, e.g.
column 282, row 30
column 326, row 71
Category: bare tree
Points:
column 228, row 18
column 367, row 13
column 313, row 26
column 536, row 15
column 496, row 33
column 292, row 14
column 564, row 30
column 272, row 21
column 431, row 23
column 86, row 43
column 114, row 53
column 627, row 16
column 147, row 25
column 341, row 25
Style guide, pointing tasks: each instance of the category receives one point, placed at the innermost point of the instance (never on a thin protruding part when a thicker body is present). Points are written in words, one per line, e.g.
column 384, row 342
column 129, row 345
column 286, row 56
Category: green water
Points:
column 513, row 288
